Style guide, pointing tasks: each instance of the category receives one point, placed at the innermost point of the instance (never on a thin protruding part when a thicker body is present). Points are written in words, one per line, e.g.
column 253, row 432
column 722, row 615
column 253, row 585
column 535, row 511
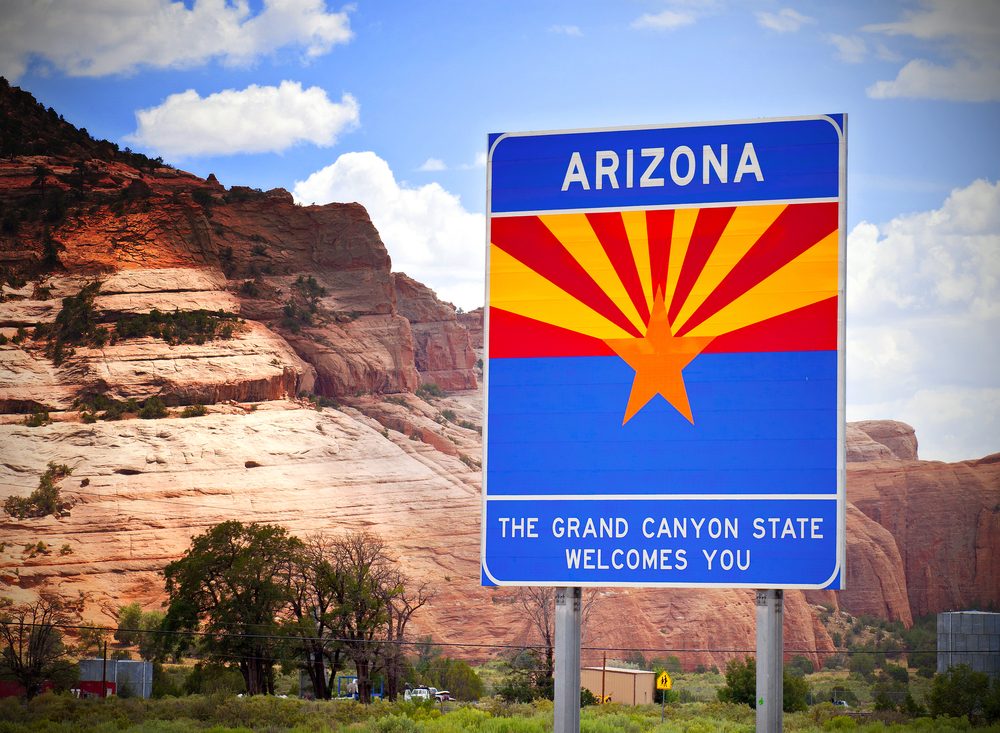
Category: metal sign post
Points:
column 567, row 660
column 770, row 640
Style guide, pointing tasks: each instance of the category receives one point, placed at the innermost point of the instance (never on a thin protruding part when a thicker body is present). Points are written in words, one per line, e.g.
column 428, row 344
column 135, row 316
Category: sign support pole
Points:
column 567, row 660
column 770, row 646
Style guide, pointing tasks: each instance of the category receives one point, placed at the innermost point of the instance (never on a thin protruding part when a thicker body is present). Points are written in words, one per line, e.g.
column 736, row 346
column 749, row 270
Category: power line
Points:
column 472, row 645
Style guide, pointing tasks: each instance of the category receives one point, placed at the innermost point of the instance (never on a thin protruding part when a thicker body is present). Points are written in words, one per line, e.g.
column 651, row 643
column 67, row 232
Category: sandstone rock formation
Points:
column 442, row 350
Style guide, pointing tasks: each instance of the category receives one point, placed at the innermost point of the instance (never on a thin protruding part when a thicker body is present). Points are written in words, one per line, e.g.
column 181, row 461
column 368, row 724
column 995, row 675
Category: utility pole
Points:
column 104, row 671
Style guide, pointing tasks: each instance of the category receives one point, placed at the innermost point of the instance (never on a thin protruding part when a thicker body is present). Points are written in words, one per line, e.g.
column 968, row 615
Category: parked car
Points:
column 419, row 694
column 841, row 703
column 443, row 695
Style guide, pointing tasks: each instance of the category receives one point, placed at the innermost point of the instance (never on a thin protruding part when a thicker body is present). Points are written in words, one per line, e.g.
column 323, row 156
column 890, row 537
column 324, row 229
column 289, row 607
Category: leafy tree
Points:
column 741, row 686
column 152, row 644
column 32, row 643
column 741, row 682
column 800, row 666
column 129, row 623
column 453, row 675
column 364, row 593
column 520, row 681
column 862, row 664
column 313, row 613
column 922, row 636
column 232, row 583
column 960, row 691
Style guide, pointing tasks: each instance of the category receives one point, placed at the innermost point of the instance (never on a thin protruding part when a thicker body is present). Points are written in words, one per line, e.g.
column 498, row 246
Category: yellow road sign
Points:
column 663, row 682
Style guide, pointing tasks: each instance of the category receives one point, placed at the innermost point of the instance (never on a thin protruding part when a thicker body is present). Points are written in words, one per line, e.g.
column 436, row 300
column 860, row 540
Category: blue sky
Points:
column 389, row 103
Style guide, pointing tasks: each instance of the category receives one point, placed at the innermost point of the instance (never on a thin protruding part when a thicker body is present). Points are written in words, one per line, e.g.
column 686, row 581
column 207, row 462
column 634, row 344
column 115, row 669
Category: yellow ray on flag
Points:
column 516, row 288
column 578, row 237
column 638, row 239
column 745, row 227
column 809, row 278
column 684, row 220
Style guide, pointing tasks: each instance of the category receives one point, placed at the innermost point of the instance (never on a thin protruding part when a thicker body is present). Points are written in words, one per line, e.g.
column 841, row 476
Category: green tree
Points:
column 741, row 682
column 741, row 686
column 364, row 591
column 129, row 624
column 32, row 642
column 453, row 675
column 959, row 691
column 231, row 584
column 794, row 693
column 152, row 643
column 313, row 621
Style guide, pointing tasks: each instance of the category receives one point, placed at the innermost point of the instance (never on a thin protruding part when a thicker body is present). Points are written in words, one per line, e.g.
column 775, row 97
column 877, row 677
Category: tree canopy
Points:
column 231, row 585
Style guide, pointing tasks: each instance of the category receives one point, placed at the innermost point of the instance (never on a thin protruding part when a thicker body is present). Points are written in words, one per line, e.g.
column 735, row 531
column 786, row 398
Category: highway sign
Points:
column 663, row 682
column 665, row 365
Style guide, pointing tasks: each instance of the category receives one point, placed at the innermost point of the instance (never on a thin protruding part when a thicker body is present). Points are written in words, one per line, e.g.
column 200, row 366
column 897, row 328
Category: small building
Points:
column 134, row 675
column 971, row 638
column 627, row 686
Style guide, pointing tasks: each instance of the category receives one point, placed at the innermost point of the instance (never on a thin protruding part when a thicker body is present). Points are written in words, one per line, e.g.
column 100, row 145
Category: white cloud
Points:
column 923, row 298
column 965, row 36
column 666, row 20
column 850, row 49
column 785, row 20
column 102, row 37
column 963, row 81
column 432, row 164
column 429, row 234
column 567, row 30
column 253, row 120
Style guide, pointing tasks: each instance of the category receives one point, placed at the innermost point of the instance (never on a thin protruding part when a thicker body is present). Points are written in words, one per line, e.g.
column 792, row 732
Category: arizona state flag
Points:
column 664, row 377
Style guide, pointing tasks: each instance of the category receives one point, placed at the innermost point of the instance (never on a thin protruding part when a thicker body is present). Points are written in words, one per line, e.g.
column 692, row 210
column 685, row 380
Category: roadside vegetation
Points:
column 220, row 713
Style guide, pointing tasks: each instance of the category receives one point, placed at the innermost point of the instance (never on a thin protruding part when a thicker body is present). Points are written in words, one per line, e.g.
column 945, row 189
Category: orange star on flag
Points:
column 658, row 359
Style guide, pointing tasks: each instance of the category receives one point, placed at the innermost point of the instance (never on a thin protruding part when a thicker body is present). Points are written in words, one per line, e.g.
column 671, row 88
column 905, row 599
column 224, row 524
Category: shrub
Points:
column 194, row 411
column 153, row 408
column 37, row 418
column 76, row 323
column 179, row 327
column 741, row 682
column 429, row 389
column 203, row 197
column 250, row 289
column 45, row 500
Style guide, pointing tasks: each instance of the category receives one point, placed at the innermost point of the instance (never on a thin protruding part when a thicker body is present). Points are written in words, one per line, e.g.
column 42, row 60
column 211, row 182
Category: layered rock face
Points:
column 315, row 309
column 443, row 350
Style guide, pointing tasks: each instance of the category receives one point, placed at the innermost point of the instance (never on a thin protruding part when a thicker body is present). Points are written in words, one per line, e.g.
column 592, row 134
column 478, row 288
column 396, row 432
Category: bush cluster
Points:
column 44, row 501
column 179, row 327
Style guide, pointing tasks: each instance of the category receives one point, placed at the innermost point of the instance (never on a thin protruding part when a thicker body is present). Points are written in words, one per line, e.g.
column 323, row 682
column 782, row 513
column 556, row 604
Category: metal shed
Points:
column 117, row 674
column 627, row 686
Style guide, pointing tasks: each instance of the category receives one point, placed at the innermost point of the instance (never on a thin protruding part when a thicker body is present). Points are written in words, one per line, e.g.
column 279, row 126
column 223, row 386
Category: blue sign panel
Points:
column 664, row 381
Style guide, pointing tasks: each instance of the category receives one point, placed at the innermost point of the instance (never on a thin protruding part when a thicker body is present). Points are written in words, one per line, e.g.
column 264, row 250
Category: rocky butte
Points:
column 319, row 369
